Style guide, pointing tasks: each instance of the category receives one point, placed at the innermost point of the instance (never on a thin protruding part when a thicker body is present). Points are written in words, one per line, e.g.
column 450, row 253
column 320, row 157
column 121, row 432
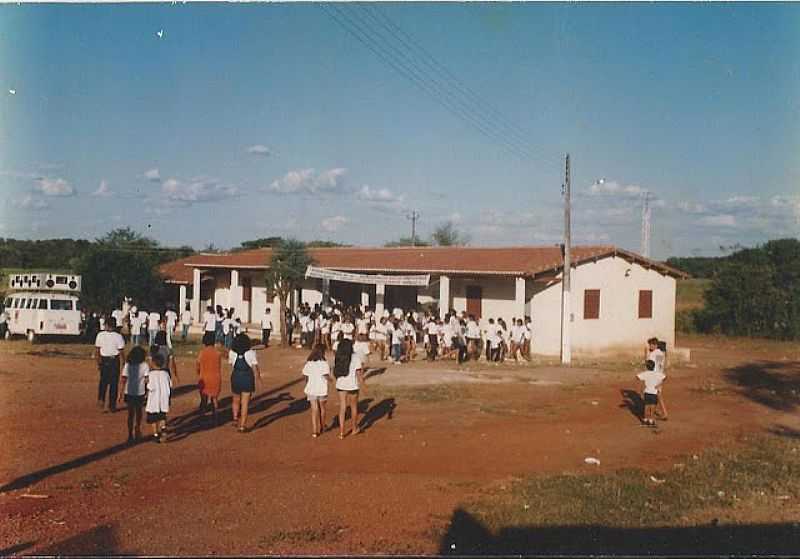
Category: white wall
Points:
column 498, row 297
column 619, row 329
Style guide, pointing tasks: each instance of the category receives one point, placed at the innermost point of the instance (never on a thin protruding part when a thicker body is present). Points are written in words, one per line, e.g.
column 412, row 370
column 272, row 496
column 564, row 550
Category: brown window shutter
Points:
column 591, row 303
column 645, row 303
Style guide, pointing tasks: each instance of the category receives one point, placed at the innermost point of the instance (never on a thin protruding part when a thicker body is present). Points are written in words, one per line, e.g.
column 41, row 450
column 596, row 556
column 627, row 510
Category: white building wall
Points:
column 619, row 328
column 498, row 297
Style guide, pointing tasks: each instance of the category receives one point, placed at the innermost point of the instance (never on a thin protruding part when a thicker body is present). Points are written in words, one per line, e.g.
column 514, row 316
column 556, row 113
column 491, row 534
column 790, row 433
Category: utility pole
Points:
column 646, row 215
column 413, row 216
column 566, row 314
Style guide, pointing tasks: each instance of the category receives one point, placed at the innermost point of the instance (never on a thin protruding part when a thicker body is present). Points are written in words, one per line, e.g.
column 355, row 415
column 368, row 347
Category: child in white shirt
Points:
column 159, row 386
column 318, row 373
column 652, row 380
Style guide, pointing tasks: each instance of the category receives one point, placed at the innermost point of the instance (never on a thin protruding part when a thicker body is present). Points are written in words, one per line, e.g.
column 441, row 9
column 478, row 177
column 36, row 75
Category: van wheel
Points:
column 32, row 336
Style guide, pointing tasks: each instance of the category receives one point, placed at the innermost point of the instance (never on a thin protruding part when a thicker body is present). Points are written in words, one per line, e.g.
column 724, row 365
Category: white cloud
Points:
column 54, row 187
column 308, row 181
column 103, row 190
column 691, row 207
column 612, row 188
column 153, row 175
column 30, row 202
column 333, row 224
column 260, row 150
column 743, row 201
column 718, row 220
column 378, row 195
column 197, row 190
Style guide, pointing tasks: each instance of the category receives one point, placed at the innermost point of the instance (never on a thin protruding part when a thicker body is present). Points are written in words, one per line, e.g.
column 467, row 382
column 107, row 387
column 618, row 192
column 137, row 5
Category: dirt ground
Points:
column 435, row 436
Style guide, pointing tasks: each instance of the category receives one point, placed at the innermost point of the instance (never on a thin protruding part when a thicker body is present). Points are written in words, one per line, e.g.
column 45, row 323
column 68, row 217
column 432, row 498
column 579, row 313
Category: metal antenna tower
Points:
column 646, row 215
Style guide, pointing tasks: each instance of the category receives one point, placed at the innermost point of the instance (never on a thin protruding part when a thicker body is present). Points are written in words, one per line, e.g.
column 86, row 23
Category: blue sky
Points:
column 245, row 121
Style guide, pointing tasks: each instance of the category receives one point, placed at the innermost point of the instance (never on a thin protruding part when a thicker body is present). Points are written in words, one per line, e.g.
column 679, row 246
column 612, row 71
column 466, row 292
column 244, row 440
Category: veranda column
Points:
column 380, row 290
column 181, row 299
column 235, row 294
column 519, row 299
column 444, row 295
column 196, row 295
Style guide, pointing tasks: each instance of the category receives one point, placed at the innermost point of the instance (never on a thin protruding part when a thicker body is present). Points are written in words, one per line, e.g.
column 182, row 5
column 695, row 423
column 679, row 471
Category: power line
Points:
column 439, row 92
column 439, row 70
column 419, row 78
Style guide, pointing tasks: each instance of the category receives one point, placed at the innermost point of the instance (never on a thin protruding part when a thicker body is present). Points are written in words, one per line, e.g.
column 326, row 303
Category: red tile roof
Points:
column 525, row 261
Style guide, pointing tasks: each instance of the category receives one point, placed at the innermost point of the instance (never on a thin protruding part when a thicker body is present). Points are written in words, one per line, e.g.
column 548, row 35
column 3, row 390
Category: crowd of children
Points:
column 398, row 335
column 352, row 334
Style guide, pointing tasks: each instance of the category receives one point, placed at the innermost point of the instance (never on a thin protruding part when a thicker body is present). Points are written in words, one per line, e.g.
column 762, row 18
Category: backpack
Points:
column 241, row 366
column 341, row 363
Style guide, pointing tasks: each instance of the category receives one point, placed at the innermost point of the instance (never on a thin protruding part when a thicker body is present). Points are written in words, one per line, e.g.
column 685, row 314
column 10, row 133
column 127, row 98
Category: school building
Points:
column 619, row 298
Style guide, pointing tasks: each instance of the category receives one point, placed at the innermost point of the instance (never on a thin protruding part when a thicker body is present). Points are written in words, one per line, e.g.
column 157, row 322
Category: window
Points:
column 7, row 303
column 30, row 303
column 16, row 303
column 645, row 303
column 43, row 304
column 591, row 304
column 60, row 305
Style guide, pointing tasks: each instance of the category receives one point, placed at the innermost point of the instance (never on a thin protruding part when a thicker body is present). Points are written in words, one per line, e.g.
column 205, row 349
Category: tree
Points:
column 287, row 270
column 756, row 292
column 270, row 242
column 110, row 273
column 407, row 242
column 447, row 234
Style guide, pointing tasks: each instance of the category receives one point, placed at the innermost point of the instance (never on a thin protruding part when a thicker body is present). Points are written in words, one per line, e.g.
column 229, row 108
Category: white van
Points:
column 37, row 313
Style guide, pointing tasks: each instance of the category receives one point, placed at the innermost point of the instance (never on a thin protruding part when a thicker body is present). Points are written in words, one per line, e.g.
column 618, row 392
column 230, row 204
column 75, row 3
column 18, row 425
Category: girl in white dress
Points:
column 319, row 375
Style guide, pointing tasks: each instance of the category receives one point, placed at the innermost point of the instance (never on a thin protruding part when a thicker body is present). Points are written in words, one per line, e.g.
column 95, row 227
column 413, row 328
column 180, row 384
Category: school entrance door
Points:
column 474, row 300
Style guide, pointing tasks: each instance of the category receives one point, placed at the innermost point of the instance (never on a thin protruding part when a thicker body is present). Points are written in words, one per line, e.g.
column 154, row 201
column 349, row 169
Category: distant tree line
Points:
column 754, row 292
column 699, row 267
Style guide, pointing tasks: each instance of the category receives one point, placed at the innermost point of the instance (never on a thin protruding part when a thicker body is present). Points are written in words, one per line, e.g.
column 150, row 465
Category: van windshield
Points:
column 60, row 305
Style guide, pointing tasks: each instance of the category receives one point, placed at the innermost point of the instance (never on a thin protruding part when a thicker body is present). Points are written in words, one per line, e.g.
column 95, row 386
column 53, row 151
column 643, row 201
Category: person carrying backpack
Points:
column 244, row 371
column 348, row 370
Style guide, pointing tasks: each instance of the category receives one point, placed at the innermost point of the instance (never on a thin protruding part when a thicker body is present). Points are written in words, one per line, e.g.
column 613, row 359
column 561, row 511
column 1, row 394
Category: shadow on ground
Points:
column 179, row 427
column 100, row 540
column 468, row 536
column 774, row 384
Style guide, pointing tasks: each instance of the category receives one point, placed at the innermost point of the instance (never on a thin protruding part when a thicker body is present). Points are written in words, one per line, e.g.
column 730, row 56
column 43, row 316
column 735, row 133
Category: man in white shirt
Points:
column 266, row 327
column 109, row 354
column 473, row 338
column 186, row 321
column 432, row 328
column 152, row 325
column 172, row 320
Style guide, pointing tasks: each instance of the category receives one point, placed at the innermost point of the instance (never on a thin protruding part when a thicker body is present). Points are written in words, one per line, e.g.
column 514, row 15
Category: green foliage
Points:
column 700, row 267
column 324, row 244
column 270, row 242
column 756, row 292
column 50, row 254
column 447, row 234
column 287, row 270
column 407, row 242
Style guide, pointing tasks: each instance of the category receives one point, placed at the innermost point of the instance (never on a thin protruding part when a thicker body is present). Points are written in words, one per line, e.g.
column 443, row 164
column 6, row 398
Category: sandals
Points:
column 341, row 436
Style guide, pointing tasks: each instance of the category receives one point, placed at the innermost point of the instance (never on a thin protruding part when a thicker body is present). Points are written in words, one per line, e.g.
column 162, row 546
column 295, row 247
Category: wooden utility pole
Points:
column 566, row 313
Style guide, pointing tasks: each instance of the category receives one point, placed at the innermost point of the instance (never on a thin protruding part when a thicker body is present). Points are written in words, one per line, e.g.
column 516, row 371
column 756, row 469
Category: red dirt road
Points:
column 71, row 486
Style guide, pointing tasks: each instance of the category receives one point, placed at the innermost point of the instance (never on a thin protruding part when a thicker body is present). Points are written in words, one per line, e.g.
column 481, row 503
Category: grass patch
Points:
column 431, row 394
column 766, row 470
column 689, row 294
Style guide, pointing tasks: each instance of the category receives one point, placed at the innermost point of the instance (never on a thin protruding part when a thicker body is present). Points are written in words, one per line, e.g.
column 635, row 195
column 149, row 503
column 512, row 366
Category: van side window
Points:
column 16, row 303
column 22, row 303
column 60, row 305
column 31, row 304
column 43, row 304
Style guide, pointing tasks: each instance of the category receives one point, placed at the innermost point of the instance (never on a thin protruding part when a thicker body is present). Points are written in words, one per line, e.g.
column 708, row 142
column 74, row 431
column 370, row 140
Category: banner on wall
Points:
column 369, row 279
